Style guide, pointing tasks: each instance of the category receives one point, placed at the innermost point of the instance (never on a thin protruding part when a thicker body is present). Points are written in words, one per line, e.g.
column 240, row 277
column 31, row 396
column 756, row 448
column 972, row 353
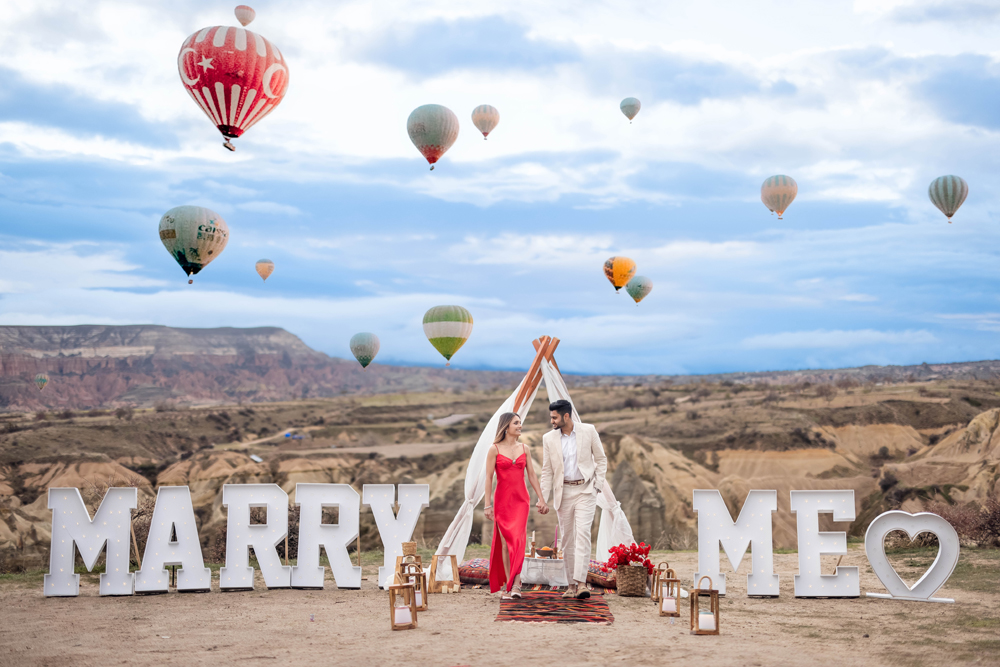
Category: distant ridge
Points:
column 99, row 366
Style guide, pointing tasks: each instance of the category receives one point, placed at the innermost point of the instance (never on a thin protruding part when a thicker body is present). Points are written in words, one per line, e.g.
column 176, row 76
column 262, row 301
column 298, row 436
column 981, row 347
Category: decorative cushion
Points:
column 475, row 571
column 596, row 577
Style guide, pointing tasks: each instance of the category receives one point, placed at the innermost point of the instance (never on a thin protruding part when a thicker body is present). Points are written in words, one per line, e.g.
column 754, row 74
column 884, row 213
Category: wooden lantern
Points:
column 402, row 616
column 444, row 586
column 405, row 560
column 658, row 573
column 704, row 621
column 414, row 576
column 669, row 594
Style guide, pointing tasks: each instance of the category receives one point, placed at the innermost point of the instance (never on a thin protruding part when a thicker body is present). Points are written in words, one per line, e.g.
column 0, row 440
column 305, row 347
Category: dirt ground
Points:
column 351, row 627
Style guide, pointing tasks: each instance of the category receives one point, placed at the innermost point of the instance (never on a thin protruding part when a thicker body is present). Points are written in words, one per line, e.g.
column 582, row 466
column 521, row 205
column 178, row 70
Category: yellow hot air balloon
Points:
column 619, row 270
column 265, row 268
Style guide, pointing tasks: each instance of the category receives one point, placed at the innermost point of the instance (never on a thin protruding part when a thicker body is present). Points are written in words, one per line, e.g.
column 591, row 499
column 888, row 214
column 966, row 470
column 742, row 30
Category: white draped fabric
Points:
column 456, row 538
column 614, row 526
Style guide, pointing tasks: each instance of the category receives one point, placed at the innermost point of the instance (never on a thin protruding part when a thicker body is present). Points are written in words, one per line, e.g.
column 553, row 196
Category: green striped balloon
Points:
column 364, row 347
column 638, row 288
column 948, row 193
column 447, row 328
column 778, row 192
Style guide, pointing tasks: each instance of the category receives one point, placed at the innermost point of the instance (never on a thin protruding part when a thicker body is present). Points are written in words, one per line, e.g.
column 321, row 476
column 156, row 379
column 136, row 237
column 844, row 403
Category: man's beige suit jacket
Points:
column 590, row 458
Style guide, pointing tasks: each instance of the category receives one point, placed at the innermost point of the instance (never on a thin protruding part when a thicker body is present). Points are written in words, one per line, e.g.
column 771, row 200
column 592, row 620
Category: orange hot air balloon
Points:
column 619, row 270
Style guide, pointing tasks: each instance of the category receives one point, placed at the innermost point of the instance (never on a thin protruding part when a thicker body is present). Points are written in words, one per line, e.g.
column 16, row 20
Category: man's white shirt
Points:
column 571, row 471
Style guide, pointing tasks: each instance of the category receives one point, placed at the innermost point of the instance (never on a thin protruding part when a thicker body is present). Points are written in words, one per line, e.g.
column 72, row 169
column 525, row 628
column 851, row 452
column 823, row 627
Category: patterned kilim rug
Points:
column 549, row 607
column 594, row 590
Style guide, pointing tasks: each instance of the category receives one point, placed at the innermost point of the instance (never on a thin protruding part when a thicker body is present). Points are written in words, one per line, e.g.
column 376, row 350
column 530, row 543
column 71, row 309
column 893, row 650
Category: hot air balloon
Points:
column 778, row 192
column 638, row 288
column 193, row 236
column 630, row 107
column 948, row 193
column 265, row 268
column 41, row 380
column 245, row 15
column 364, row 347
column 432, row 129
column 485, row 118
column 236, row 76
column 619, row 270
column 447, row 328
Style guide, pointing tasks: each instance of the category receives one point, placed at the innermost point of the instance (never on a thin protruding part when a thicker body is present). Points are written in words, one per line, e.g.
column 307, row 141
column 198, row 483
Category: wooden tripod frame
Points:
column 545, row 348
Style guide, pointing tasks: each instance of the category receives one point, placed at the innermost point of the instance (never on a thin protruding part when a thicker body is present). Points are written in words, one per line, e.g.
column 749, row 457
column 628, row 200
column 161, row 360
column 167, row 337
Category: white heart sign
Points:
column 912, row 524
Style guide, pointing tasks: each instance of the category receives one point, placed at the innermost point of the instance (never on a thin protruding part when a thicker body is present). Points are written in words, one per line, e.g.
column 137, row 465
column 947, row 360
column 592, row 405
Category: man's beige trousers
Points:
column 576, row 516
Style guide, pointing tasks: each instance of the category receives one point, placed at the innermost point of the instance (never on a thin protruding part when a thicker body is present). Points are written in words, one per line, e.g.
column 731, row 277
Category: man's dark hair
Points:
column 562, row 407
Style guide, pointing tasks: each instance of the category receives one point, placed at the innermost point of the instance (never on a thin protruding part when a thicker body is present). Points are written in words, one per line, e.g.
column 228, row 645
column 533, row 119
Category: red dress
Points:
column 510, row 519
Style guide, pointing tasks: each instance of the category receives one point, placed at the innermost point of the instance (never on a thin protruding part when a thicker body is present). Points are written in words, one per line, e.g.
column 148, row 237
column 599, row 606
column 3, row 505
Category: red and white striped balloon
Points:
column 236, row 77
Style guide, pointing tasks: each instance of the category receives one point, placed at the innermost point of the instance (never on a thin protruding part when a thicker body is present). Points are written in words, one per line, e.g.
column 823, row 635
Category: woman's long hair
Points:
column 505, row 421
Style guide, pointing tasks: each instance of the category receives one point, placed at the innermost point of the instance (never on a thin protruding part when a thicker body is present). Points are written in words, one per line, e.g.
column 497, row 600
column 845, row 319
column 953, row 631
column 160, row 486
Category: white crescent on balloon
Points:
column 180, row 67
column 268, row 73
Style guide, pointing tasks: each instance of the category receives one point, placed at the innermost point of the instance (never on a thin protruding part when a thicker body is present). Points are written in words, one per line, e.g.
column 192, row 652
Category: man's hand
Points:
column 542, row 507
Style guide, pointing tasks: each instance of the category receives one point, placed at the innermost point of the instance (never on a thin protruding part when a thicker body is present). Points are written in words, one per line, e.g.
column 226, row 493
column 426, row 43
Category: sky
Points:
column 863, row 102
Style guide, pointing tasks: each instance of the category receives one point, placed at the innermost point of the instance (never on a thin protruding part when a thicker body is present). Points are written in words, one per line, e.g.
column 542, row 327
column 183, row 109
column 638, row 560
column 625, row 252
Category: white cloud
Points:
column 36, row 267
column 835, row 339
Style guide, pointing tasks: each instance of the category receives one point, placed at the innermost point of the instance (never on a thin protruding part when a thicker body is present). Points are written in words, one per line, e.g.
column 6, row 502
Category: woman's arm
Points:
column 533, row 480
column 491, row 464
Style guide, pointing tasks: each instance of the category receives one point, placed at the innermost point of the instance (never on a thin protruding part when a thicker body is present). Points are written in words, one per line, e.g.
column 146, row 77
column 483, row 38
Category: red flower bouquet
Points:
column 633, row 554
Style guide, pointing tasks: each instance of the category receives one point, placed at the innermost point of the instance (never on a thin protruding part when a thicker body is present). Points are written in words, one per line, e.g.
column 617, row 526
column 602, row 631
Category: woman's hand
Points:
column 489, row 513
column 542, row 507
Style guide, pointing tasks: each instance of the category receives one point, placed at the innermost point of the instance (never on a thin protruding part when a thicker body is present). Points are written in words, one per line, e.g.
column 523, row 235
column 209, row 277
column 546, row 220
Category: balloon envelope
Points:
column 948, row 193
column 639, row 287
column 265, row 268
column 447, row 328
column 193, row 236
column 432, row 129
column 41, row 380
column 630, row 107
column 235, row 76
column 364, row 347
column 485, row 118
column 619, row 270
column 778, row 192
column 244, row 14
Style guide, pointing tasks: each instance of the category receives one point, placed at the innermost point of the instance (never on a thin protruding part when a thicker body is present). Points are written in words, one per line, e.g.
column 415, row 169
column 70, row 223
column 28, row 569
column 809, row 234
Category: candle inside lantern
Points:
column 420, row 599
column 402, row 615
column 706, row 620
column 668, row 604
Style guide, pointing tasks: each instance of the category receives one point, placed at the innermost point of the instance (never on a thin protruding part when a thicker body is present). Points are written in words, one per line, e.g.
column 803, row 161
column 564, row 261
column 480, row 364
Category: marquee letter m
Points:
column 753, row 527
column 71, row 525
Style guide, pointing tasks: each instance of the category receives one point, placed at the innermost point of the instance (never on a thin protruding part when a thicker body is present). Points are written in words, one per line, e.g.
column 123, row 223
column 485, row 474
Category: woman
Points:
column 508, row 511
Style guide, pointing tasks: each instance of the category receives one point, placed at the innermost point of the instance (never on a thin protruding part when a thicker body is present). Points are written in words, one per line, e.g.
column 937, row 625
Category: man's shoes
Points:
column 583, row 594
column 569, row 595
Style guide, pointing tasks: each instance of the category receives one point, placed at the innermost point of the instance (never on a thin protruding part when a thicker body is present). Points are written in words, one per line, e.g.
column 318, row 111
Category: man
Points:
column 573, row 468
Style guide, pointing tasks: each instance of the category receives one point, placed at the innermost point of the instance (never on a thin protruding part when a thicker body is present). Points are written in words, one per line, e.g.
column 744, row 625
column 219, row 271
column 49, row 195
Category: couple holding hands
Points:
column 573, row 470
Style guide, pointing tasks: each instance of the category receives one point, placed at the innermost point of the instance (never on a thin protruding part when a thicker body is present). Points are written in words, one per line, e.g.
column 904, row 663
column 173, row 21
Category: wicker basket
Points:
column 409, row 548
column 631, row 580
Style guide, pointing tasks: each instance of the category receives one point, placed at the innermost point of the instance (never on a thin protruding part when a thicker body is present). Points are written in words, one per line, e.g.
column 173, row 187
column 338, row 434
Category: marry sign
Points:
column 173, row 540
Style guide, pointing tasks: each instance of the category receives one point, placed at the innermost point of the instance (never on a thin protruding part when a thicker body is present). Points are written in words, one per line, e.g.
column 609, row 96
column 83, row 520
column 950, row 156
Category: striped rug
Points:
column 550, row 607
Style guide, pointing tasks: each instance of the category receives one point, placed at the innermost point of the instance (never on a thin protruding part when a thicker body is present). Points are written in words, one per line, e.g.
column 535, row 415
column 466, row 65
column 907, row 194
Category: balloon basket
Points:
column 191, row 281
column 432, row 167
column 228, row 145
